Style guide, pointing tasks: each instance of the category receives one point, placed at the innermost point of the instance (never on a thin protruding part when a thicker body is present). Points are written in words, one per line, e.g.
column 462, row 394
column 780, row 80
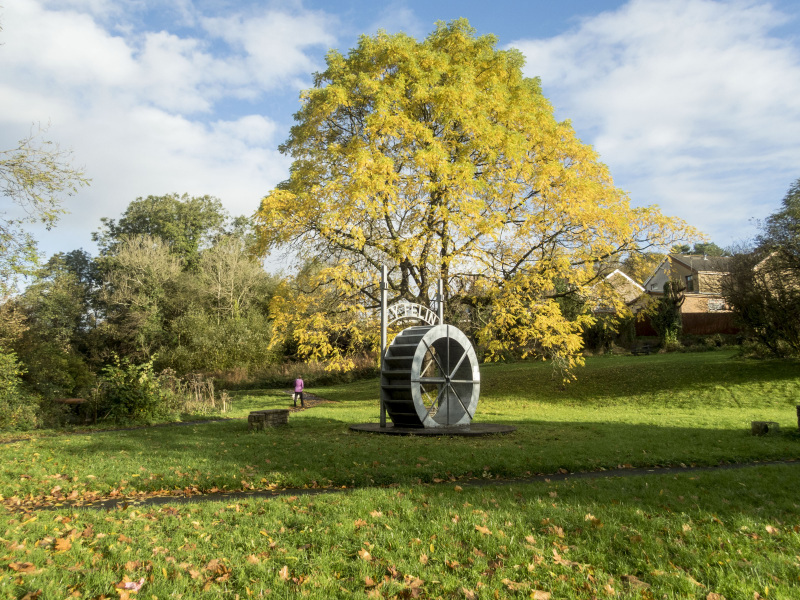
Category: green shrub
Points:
column 18, row 410
column 129, row 393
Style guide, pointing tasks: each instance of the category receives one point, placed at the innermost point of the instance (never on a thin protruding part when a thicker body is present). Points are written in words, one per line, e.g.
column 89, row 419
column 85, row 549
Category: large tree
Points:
column 440, row 159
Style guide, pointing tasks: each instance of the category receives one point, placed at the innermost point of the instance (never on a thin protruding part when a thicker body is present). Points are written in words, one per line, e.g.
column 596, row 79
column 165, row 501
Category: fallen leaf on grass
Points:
column 540, row 595
column 483, row 530
column 359, row 523
column 715, row 596
column 771, row 530
column 253, row 559
column 364, row 555
column 561, row 561
column 635, row 582
column 515, row 586
column 63, row 544
column 284, row 573
column 133, row 586
column 369, row 581
column 376, row 514
column 24, row 567
column 423, row 558
column 594, row 520
column 554, row 530
column 694, row 581
column 469, row 594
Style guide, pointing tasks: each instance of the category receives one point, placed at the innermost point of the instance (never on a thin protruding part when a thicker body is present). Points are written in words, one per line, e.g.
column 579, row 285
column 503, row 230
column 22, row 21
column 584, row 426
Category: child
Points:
column 298, row 392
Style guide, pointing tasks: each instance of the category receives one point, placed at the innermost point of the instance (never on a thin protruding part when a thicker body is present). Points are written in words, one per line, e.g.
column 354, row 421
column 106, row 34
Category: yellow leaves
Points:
column 483, row 530
column 440, row 155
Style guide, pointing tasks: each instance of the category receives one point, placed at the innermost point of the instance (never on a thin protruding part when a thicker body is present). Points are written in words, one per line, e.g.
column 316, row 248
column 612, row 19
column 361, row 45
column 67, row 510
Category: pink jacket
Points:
column 298, row 385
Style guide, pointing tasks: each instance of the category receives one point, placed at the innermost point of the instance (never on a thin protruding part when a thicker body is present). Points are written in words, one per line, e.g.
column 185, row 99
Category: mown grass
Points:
column 698, row 411
column 734, row 533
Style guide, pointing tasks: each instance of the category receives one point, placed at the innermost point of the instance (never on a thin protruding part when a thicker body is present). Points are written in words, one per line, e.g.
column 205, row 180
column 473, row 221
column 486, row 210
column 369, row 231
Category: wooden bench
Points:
column 644, row 349
column 261, row 419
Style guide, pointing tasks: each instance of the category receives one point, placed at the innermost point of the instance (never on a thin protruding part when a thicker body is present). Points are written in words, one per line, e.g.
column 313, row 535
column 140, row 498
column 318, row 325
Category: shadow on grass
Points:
column 316, row 451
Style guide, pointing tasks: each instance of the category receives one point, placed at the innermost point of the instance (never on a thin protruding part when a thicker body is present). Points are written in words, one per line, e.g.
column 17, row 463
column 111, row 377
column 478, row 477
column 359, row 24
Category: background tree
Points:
column 185, row 224
column 141, row 292
column 763, row 287
column 34, row 177
column 57, row 306
column 440, row 159
column 781, row 231
column 707, row 248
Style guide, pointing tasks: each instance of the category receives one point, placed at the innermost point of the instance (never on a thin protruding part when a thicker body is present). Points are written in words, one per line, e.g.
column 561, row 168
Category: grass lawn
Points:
column 734, row 533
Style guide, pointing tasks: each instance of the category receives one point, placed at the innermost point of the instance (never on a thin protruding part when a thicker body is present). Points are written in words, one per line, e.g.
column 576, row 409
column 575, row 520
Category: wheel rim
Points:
column 445, row 378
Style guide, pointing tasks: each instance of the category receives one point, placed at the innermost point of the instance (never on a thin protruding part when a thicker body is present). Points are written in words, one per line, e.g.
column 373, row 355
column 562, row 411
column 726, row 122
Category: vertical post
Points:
column 384, row 335
column 440, row 298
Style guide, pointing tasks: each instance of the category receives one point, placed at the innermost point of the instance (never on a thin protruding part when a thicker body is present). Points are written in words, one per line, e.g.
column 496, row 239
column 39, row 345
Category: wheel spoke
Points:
column 458, row 364
column 437, row 398
column 460, row 401
column 433, row 354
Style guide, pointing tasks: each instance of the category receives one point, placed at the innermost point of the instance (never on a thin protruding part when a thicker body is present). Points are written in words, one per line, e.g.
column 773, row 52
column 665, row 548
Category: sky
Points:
column 693, row 104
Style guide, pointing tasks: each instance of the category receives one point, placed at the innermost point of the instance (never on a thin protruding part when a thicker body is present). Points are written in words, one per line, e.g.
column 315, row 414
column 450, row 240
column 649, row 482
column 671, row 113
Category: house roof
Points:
column 698, row 263
column 629, row 289
column 702, row 263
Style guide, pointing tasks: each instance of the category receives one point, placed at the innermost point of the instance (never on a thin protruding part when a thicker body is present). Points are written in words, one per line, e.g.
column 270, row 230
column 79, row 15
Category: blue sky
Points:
column 693, row 104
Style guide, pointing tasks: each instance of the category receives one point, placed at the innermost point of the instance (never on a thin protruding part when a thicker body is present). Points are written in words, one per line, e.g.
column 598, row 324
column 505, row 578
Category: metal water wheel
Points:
column 430, row 378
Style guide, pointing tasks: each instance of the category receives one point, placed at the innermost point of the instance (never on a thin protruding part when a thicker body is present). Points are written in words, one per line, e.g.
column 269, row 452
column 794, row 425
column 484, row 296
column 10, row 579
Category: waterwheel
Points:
column 430, row 378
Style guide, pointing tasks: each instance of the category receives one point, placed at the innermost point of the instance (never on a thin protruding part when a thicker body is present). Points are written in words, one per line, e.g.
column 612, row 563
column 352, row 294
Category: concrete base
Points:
column 471, row 430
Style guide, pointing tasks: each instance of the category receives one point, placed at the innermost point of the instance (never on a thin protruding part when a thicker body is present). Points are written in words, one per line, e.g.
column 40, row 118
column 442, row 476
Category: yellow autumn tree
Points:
column 440, row 159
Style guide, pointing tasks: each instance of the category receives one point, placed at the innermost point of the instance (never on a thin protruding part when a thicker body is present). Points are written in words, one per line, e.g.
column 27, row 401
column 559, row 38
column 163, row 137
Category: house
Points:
column 625, row 288
column 704, row 310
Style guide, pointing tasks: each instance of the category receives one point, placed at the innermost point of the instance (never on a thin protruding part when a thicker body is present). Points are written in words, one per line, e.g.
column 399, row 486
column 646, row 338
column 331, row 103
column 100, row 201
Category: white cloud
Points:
column 274, row 43
column 693, row 99
column 141, row 110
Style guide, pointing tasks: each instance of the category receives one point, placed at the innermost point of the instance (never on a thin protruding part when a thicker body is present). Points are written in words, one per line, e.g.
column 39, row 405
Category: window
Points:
column 689, row 283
